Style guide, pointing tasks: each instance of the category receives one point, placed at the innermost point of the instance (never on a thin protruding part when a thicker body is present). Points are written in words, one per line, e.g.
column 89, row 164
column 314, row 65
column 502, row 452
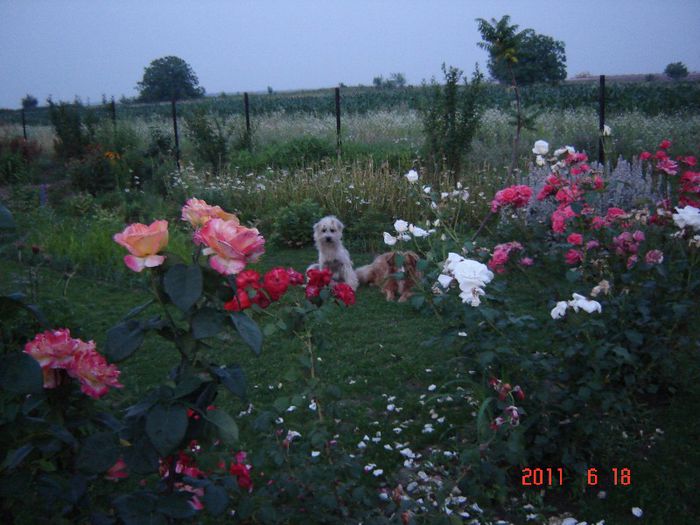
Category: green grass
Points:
column 376, row 353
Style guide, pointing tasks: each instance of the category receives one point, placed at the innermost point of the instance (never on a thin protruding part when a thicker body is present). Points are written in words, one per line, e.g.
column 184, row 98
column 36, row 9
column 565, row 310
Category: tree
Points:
column 538, row 58
column 502, row 41
column 29, row 102
column 169, row 78
column 676, row 70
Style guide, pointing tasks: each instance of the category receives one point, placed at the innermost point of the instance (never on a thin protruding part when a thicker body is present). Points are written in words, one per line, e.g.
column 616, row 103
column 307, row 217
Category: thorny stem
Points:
column 173, row 326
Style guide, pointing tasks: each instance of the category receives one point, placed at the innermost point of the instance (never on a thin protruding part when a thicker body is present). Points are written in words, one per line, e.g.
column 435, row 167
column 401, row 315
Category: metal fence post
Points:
column 601, row 120
column 337, row 120
column 177, row 139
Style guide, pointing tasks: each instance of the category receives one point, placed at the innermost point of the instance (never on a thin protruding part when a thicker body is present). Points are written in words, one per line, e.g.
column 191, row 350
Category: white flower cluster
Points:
column 472, row 277
column 578, row 302
column 404, row 231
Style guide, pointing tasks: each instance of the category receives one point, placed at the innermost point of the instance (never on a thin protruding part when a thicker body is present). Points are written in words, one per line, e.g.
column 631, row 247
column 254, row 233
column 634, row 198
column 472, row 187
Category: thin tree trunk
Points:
column 518, row 126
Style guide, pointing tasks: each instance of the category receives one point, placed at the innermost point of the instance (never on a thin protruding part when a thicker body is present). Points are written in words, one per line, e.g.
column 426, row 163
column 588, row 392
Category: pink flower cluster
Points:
column 501, row 255
column 627, row 245
column 689, row 181
column 56, row 351
column 514, row 196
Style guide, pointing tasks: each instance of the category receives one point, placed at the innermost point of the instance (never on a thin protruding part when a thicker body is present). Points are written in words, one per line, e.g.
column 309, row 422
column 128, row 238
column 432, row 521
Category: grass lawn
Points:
column 376, row 361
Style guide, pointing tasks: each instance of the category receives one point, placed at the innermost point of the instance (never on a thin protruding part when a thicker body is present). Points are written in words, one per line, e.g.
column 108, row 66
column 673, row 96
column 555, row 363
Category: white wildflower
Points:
column 411, row 176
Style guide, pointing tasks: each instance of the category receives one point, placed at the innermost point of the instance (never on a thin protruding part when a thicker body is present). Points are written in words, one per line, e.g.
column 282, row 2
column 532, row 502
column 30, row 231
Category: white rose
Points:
column 417, row 231
column 606, row 130
column 541, row 147
column 688, row 216
column 579, row 301
column 559, row 310
column 389, row 239
column 401, row 226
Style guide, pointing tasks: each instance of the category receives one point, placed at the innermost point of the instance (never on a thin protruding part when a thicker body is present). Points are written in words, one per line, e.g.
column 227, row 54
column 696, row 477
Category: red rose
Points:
column 240, row 302
column 345, row 293
column 665, row 144
column 295, row 277
column 312, row 291
column 242, row 473
column 575, row 238
column 247, row 277
column 276, row 282
column 319, row 278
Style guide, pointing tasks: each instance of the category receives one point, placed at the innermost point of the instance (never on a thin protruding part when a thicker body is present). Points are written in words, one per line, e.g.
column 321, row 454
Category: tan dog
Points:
column 380, row 271
column 328, row 234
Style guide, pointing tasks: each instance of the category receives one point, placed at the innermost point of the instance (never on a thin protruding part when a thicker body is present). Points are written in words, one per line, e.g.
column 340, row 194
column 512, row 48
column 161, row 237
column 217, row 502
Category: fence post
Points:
column 177, row 140
column 113, row 112
column 337, row 120
column 246, row 107
column 601, row 120
column 24, row 125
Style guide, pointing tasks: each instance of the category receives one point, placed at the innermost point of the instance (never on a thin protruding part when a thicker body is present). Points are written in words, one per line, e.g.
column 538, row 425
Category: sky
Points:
column 91, row 48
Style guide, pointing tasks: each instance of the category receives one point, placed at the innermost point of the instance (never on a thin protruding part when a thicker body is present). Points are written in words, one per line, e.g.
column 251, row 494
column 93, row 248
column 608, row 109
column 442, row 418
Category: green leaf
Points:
column 98, row 453
column 228, row 430
column 17, row 301
column 207, row 322
column 20, row 373
column 176, row 505
column 183, row 284
column 248, row 330
column 232, row 378
column 123, row 339
column 141, row 457
column 215, row 499
column 16, row 456
column 186, row 386
column 6, row 220
column 139, row 509
column 573, row 276
column 166, row 427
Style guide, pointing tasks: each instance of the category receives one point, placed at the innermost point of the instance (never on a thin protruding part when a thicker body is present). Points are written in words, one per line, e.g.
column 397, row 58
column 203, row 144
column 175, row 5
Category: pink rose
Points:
column 575, row 238
column 232, row 245
column 573, row 257
column 143, row 243
column 654, row 257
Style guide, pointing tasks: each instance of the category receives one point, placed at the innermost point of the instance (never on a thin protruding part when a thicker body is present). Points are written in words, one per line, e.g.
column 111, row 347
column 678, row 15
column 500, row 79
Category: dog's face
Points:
column 328, row 231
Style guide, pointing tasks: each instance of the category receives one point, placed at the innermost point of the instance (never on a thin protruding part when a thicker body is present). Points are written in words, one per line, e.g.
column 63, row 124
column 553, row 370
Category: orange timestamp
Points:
column 550, row 476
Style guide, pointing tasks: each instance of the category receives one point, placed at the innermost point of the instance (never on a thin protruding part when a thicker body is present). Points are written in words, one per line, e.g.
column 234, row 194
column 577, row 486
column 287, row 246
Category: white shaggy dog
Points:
column 332, row 255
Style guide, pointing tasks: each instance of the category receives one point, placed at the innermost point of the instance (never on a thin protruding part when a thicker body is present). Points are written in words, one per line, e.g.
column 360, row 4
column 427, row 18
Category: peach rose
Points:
column 231, row 245
column 197, row 212
column 143, row 243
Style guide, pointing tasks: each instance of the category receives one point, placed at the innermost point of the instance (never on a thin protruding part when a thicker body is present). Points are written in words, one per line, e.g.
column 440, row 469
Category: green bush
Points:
column 293, row 224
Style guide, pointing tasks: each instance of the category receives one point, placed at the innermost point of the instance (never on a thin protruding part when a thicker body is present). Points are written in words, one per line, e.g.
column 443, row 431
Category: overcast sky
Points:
column 89, row 48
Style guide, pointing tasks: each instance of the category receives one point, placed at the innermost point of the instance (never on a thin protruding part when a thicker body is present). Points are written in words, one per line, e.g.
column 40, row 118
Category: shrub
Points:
column 211, row 138
column 73, row 133
column 293, row 225
column 451, row 118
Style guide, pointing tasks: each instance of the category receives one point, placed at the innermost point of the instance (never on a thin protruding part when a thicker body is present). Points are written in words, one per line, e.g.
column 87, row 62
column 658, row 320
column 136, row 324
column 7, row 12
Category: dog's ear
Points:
column 338, row 225
column 317, row 226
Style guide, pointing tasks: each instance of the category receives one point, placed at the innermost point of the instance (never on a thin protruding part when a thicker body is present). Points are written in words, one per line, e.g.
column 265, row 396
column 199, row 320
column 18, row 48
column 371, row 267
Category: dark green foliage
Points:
column 676, row 70
column 395, row 80
column 293, row 225
column 74, row 131
column 451, row 118
column 212, row 139
column 17, row 159
column 29, row 102
column 169, row 78
column 540, row 58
